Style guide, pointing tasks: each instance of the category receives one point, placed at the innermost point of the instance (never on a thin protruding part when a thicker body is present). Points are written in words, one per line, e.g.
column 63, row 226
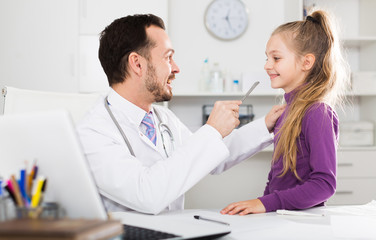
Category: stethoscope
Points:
column 161, row 126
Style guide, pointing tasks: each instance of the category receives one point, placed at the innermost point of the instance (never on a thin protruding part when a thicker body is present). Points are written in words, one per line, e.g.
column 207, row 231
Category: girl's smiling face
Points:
column 283, row 66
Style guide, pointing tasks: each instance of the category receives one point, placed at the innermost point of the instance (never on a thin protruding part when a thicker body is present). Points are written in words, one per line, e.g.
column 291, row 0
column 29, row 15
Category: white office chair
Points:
column 22, row 101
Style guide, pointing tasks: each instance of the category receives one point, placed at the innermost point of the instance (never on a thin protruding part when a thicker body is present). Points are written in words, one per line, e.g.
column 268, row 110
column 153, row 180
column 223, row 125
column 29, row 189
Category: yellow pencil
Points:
column 36, row 197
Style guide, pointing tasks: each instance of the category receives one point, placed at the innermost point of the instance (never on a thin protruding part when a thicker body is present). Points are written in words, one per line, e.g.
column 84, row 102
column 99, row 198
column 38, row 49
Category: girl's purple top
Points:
column 316, row 163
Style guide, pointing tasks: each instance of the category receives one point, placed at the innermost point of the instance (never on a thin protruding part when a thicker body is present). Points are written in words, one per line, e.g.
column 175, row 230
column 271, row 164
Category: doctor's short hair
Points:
column 122, row 37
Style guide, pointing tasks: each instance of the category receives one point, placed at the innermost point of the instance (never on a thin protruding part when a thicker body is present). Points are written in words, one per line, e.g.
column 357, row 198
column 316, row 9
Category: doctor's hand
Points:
column 224, row 116
column 272, row 117
column 244, row 207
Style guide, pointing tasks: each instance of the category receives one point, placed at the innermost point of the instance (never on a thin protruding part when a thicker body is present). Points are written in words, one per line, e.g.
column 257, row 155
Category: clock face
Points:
column 226, row 19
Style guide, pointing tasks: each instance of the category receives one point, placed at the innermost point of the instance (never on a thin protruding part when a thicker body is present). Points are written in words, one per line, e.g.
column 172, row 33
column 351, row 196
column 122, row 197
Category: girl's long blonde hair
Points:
column 326, row 82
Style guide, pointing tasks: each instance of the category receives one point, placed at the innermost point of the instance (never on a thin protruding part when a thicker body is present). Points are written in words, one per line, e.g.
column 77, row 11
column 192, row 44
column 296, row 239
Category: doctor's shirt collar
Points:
column 134, row 113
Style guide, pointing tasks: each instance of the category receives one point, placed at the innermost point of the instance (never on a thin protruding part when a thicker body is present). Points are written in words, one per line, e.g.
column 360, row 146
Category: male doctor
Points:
column 136, row 164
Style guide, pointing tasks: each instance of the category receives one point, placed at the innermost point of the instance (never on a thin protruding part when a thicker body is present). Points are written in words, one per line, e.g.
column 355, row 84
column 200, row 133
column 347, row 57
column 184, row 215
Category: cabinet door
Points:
column 356, row 164
column 354, row 191
column 95, row 15
column 39, row 44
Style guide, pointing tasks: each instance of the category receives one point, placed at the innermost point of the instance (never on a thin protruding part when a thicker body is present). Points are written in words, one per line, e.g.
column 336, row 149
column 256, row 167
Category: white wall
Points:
column 38, row 44
column 193, row 43
column 38, row 47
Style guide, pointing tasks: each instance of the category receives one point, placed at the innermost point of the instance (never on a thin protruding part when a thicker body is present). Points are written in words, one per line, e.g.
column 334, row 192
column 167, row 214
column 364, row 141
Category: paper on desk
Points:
column 353, row 227
column 368, row 209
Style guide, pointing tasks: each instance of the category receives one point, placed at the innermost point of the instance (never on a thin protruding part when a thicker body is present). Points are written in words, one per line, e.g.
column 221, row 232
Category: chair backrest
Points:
column 22, row 101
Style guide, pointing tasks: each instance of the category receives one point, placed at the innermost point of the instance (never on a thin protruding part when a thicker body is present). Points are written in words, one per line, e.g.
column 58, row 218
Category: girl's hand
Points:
column 272, row 117
column 244, row 207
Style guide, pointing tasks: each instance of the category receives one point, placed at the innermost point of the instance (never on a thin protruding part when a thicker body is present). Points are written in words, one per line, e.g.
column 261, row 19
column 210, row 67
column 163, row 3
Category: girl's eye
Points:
column 276, row 58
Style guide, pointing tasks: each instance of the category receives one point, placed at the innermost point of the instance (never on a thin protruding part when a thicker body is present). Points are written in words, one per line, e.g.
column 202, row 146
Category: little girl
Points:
column 304, row 59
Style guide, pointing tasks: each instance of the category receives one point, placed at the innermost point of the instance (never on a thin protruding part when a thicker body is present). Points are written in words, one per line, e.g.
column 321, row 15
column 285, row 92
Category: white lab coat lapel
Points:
column 129, row 117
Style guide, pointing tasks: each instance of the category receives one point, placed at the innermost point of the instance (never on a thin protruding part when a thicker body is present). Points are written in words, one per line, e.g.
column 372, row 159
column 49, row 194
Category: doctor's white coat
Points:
column 152, row 182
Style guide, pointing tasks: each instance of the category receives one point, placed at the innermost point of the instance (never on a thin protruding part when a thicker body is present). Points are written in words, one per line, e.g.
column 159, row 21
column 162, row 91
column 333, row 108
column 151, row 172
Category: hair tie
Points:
column 309, row 18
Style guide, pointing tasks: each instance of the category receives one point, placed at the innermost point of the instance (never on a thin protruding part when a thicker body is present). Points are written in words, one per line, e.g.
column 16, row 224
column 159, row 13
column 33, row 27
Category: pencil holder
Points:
column 25, row 212
column 48, row 210
column 7, row 209
column 52, row 210
column 3, row 209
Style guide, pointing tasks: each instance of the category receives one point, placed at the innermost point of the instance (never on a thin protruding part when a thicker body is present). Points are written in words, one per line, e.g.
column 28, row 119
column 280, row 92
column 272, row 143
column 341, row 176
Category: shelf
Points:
column 340, row 149
column 368, row 148
column 224, row 94
column 256, row 94
column 362, row 94
column 359, row 41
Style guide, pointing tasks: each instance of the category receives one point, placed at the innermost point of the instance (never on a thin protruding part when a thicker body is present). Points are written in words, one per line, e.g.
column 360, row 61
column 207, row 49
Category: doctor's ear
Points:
column 134, row 62
column 308, row 61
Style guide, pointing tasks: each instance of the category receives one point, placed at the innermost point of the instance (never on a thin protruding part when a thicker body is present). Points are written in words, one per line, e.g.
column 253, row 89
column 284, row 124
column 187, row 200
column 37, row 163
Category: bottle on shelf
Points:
column 227, row 81
column 205, row 76
column 216, row 79
column 235, row 85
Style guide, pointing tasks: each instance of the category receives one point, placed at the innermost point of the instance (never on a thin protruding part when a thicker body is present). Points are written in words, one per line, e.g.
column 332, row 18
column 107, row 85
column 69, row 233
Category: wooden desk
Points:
column 61, row 229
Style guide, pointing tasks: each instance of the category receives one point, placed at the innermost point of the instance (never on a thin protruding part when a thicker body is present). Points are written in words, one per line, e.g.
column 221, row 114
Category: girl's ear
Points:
column 134, row 63
column 308, row 61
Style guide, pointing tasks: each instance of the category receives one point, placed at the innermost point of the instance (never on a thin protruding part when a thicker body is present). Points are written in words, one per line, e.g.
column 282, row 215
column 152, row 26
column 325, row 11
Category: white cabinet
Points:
column 39, row 44
column 356, row 177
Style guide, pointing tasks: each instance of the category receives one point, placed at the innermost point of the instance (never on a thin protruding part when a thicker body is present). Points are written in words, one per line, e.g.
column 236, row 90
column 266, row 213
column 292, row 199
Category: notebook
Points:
column 51, row 139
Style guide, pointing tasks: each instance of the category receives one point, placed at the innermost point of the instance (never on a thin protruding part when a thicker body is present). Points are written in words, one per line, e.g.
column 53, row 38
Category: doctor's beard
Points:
column 156, row 88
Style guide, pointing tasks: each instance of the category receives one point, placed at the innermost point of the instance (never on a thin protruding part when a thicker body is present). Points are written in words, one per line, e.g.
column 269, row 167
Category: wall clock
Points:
column 226, row 19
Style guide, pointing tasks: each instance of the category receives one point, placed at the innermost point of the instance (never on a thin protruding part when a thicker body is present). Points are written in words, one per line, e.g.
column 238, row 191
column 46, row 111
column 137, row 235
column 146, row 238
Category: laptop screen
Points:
column 49, row 138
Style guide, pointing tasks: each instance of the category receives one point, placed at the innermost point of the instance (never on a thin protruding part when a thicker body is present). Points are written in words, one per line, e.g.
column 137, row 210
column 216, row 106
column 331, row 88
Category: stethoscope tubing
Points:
column 160, row 125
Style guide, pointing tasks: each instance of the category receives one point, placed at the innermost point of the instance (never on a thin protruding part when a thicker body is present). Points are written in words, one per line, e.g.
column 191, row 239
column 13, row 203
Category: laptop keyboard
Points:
column 139, row 233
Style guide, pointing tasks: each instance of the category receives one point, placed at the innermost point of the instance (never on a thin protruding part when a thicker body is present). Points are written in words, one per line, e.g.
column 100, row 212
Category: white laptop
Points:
column 50, row 138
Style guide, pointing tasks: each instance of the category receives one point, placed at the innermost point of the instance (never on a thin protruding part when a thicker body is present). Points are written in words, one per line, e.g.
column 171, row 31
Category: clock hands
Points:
column 227, row 18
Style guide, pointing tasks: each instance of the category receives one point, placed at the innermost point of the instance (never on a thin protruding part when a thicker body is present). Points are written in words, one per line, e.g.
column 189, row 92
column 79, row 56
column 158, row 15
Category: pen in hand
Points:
column 210, row 220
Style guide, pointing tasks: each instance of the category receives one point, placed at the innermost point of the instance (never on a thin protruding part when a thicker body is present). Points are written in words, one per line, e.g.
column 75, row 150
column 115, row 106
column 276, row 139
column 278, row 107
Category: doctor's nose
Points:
column 175, row 68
